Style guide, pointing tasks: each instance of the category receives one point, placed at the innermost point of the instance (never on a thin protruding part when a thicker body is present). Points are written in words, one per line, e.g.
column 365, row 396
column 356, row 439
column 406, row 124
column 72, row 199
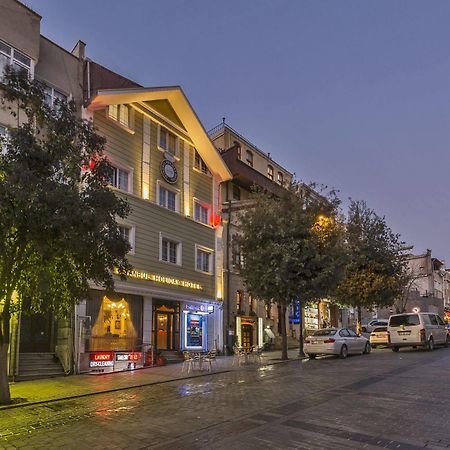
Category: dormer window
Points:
column 280, row 179
column 122, row 114
column 270, row 172
column 199, row 164
column 249, row 158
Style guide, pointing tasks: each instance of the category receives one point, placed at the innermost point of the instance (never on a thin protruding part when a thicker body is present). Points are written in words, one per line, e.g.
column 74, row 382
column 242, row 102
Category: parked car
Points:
column 336, row 341
column 417, row 330
column 369, row 327
column 379, row 337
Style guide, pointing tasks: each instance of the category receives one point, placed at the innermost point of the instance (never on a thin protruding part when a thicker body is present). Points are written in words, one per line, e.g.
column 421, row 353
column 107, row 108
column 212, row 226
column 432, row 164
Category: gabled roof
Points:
column 183, row 109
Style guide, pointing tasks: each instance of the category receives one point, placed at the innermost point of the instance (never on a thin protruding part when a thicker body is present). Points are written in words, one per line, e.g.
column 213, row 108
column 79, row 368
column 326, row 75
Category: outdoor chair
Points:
column 210, row 358
column 188, row 362
column 238, row 355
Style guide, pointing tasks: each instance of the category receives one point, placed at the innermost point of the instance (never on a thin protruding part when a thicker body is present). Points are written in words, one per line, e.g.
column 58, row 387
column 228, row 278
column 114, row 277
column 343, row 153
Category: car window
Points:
column 325, row 332
column 344, row 333
column 433, row 319
column 381, row 322
column 440, row 321
column 426, row 319
column 352, row 333
column 405, row 320
column 380, row 329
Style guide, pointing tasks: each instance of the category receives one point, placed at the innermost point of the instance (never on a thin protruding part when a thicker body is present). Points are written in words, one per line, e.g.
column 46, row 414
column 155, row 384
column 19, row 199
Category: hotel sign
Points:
column 162, row 279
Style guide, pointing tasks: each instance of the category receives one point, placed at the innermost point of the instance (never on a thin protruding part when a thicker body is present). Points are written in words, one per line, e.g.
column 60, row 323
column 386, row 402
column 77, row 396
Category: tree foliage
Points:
column 292, row 247
column 375, row 267
column 58, row 227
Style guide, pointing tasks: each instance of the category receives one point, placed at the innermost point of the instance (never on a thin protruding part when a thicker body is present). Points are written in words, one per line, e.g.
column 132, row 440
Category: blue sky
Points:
column 352, row 94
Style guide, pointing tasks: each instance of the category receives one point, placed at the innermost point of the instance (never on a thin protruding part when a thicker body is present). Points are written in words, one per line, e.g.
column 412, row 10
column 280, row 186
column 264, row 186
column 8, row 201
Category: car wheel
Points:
column 344, row 352
column 311, row 356
column 367, row 349
column 447, row 342
column 430, row 345
column 395, row 349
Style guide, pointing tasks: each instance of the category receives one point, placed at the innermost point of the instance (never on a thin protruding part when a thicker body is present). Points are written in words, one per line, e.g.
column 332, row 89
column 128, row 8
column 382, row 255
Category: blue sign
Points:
column 294, row 312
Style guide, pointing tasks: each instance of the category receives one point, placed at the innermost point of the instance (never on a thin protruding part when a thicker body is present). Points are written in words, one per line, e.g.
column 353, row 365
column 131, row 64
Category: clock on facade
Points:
column 169, row 171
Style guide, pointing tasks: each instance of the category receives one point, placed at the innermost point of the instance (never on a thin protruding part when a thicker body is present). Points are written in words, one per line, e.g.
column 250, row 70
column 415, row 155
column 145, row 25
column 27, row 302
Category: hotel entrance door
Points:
column 247, row 335
column 165, row 327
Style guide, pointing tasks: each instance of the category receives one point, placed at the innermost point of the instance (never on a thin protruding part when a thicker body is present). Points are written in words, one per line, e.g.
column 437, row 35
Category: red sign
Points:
column 102, row 356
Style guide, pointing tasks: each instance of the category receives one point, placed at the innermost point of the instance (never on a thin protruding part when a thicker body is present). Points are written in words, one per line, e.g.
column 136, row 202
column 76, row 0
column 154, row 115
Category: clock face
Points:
column 169, row 171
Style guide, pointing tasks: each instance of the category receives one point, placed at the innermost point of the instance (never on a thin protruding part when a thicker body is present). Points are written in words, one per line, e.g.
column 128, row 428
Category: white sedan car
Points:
column 336, row 341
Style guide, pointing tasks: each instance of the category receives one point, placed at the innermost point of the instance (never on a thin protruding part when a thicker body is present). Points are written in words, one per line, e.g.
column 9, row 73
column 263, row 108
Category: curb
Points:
column 271, row 362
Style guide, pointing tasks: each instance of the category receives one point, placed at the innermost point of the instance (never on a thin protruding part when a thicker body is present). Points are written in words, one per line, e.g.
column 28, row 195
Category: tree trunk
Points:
column 284, row 354
column 5, row 396
column 358, row 324
column 301, row 351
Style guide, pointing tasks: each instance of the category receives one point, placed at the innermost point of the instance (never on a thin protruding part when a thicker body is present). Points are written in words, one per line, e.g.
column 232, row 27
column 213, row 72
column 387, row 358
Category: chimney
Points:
column 79, row 50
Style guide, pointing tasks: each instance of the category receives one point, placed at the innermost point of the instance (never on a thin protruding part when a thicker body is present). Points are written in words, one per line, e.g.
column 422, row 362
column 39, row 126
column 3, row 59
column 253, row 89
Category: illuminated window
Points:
column 9, row 56
column 236, row 192
column 167, row 141
column 239, row 298
column 199, row 164
column 270, row 172
column 280, row 179
column 249, row 158
column 201, row 213
column 121, row 114
column 116, row 321
column 167, row 198
column 120, row 179
column 170, row 251
column 268, row 309
column 203, row 260
column 238, row 259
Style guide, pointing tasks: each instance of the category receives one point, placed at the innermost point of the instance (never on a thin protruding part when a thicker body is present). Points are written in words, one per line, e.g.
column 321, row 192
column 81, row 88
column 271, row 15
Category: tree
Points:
column 58, row 227
column 408, row 281
column 290, row 246
column 375, row 268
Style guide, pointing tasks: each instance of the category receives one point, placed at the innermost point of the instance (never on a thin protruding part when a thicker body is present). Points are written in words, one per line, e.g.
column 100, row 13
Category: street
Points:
column 381, row 400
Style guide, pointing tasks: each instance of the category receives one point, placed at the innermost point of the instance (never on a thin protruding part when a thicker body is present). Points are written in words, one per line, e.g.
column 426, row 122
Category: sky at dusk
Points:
column 352, row 94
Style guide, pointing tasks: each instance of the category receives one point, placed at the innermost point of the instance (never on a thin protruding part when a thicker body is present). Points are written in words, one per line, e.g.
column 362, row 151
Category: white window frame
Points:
column 270, row 172
column 131, row 235
column 114, row 113
column 210, row 252
column 13, row 60
column 52, row 89
column 123, row 168
column 159, row 185
column 177, row 141
column 280, row 179
column 201, row 165
column 196, row 201
column 179, row 244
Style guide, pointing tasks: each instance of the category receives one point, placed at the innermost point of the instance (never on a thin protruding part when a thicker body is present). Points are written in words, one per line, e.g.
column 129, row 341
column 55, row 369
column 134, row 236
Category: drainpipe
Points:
column 227, row 267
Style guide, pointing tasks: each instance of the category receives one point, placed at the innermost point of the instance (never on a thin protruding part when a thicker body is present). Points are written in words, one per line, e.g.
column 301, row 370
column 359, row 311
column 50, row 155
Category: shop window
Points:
column 167, row 198
column 270, row 172
column 167, row 141
column 199, row 164
column 195, row 330
column 203, row 260
column 9, row 56
column 116, row 322
column 249, row 158
column 120, row 179
column 236, row 192
column 239, row 299
column 201, row 213
column 170, row 251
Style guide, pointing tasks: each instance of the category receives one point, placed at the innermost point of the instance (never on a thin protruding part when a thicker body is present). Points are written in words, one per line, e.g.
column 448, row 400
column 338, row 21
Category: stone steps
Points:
column 33, row 366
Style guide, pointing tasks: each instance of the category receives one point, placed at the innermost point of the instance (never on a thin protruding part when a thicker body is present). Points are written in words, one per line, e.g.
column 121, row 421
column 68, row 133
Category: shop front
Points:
column 249, row 331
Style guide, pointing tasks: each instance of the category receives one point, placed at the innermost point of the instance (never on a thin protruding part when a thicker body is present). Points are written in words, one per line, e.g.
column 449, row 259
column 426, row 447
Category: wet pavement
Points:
column 382, row 400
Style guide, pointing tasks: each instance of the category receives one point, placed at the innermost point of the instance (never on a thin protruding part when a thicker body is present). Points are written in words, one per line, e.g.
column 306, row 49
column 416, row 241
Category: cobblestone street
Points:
column 383, row 400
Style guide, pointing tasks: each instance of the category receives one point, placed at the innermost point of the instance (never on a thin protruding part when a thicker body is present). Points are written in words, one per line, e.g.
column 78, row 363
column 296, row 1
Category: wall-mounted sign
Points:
column 141, row 275
column 169, row 171
column 101, row 359
column 133, row 356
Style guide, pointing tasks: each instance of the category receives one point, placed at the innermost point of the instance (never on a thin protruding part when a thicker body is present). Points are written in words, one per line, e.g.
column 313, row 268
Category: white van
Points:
column 417, row 330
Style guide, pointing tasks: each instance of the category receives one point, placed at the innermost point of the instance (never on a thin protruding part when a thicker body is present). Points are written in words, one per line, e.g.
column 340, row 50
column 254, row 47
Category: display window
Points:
column 195, row 330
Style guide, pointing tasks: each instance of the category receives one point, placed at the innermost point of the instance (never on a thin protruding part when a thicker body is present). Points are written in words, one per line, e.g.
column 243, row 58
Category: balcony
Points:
column 246, row 176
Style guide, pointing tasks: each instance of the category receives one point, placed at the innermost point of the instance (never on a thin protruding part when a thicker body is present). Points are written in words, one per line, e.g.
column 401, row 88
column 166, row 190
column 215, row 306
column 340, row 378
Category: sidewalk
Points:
column 51, row 389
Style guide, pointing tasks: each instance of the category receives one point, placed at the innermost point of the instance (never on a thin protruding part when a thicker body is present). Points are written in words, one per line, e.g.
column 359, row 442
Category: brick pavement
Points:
column 382, row 400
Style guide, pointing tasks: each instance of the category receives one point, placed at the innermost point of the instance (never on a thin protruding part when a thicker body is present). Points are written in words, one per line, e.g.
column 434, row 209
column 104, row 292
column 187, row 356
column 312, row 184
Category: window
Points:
column 433, row 319
column 238, row 259
column 128, row 233
column 52, row 96
column 251, row 304
column 239, row 297
column 168, row 141
column 270, row 172
column 2, row 130
column 280, row 179
column 199, row 164
column 170, row 251
column 352, row 333
column 404, row 320
column 239, row 152
column 3, row 140
column 249, row 158
column 440, row 321
column 11, row 56
column 236, row 192
column 203, row 260
column 201, row 213
column 344, row 333
column 120, row 179
column 167, row 198
column 268, row 309
column 121, row 114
